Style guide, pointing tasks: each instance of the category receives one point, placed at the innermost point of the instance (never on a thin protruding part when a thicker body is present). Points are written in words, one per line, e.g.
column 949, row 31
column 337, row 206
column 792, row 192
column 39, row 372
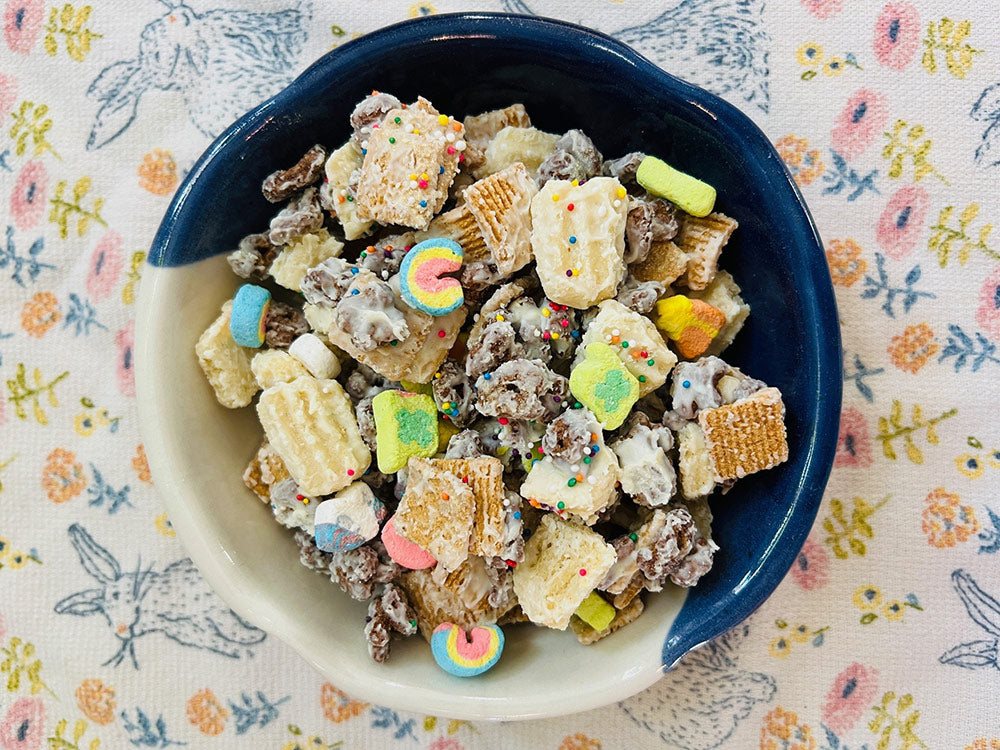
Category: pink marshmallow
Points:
column 403, row 551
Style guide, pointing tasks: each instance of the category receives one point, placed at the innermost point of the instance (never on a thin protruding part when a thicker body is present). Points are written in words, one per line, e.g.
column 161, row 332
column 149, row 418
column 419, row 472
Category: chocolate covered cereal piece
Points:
column 339, row 189
column 253, row 258
column 575, row 158
column 516, row 389
column 286, row 182
column 640, row 296
column 301, row 254
column 283, row 324
column 302, row 215
column 265, row 470
column 369, row 114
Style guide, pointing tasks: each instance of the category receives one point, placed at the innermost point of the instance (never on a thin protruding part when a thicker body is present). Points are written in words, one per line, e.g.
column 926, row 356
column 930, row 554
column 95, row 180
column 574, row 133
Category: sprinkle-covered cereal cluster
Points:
column 485, row 362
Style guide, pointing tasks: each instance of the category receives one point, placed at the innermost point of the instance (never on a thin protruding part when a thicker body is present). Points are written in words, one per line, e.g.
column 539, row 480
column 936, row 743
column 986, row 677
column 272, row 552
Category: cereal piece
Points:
column 690, row 323
column 585, row 494
column 423, row 280
column 311, row 425
column 466, row 654
column 302, row 215
column 563, row 562
column 315, row 356
column 695, row 388
column 458, row 225
column 697, row 563
column 461, row 596
column 647, row 474
column 396, row 606
column 746, row 436
column 253, row 257
column 484, row 476
column 630, row 592
column 366, row 422
column 418, row 356
column 480, row 130
column 286, row 182
column 703, row 239
column 578, row 240
column 624, row 167
column 691, row 194
column 368, row 314
column 225, row 363
column 694, row 462
column 649, row 220
column 319, row 318
column 662, row 554
column 545, row 329
column 282, row 324
column 404, row 552
column 465, row 444
column 454, row 394
column 369, row 113
column 405, row 426
column 496, row 344
column 636, row 341
column 385, row 256
column 265, row 470
column 310, row 555
column 575, row 158
column 272, row 366
column 301, row 254
column 513, row 144
column 326, row 283
column 354, row 571
column 501, row 206
column 517, row 390
column 596, row 612
column 339, row 168
column 248, row 316
column 378, row 633
column 436, row 512
column 603, row 384
column 513, row 617
column 348, row 519
column 568, row 436
column 408, row 166
column 640, row 296
column 623, row 616
column 724, row 293
column 666, row 262
column 292, row 508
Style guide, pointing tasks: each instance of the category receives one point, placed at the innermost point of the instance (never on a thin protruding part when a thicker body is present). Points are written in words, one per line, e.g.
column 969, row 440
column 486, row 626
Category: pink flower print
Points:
column 859, row 122
column 849, row 698
column 125, row 339
column 22, row 20
column 8, row 95
column 27, row 200
column 445, row 743
column 902, row 221
column 897, row 35
column 105, row 266
column 854, row 446
column 823, row 8
column 811, row 566
column 23, row 727
column 988, row 314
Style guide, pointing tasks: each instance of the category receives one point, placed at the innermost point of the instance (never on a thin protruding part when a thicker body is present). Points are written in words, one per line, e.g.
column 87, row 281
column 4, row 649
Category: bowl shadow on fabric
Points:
column 565, row 79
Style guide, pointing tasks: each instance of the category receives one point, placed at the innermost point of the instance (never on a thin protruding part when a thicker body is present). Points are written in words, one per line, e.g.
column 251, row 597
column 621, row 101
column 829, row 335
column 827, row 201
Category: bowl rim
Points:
column 821, row 440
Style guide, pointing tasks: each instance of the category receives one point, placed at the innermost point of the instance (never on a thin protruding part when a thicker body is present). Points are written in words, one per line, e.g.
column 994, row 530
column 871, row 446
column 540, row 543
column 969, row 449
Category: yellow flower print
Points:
column 164, row 526
column 4, row 549
column 834, row 66
column 84, row 424
column 17, row 560
column 422, row 9
column 780, row 647
column 801, row 633
column 993, row 458
column 970, row 465
column 809, row 54
column 867, row 598
column 893, row 610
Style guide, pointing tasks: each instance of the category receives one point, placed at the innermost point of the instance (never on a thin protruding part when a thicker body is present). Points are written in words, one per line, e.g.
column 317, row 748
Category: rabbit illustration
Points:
column 987, row 109
column 985, row 612
column 222, row 62
column 698, row 705
column 718, row 44
column 176, row 602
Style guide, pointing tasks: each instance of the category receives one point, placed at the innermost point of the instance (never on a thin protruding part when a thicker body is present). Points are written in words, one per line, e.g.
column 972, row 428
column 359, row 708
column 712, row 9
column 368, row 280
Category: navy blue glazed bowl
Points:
column 567, row 77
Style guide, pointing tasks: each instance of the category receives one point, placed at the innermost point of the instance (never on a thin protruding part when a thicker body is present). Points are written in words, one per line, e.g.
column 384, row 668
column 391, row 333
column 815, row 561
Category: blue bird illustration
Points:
column 176, row 602
column 698, row 705
column 222, row 62
column 718, row 44
column 987, row 109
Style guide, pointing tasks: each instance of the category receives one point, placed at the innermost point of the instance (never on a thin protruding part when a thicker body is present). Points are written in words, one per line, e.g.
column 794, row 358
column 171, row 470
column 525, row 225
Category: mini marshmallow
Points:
column 403, row 551
column 310, row 350
column 348, row 519
column 246, row 322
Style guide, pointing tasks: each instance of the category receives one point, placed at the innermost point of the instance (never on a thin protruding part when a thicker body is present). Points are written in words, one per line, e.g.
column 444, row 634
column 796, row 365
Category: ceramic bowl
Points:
column 567, row 77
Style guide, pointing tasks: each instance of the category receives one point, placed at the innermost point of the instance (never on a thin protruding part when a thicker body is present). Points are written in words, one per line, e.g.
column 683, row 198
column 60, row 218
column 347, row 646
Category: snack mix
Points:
column 488, row 375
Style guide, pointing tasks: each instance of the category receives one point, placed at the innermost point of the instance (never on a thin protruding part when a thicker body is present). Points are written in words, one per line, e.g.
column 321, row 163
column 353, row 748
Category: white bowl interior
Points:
column 198, row 451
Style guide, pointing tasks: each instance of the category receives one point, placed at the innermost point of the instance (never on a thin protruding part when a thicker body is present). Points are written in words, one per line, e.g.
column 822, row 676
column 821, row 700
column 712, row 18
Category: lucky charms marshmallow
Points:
column 485, row 360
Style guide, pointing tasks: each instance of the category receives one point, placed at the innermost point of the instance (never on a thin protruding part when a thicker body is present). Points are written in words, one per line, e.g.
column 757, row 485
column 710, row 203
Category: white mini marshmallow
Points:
column 310, row 350
column 348, row 519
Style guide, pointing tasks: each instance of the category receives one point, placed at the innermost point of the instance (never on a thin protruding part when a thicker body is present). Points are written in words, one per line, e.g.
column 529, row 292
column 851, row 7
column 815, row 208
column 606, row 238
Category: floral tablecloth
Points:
column 885, row 632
